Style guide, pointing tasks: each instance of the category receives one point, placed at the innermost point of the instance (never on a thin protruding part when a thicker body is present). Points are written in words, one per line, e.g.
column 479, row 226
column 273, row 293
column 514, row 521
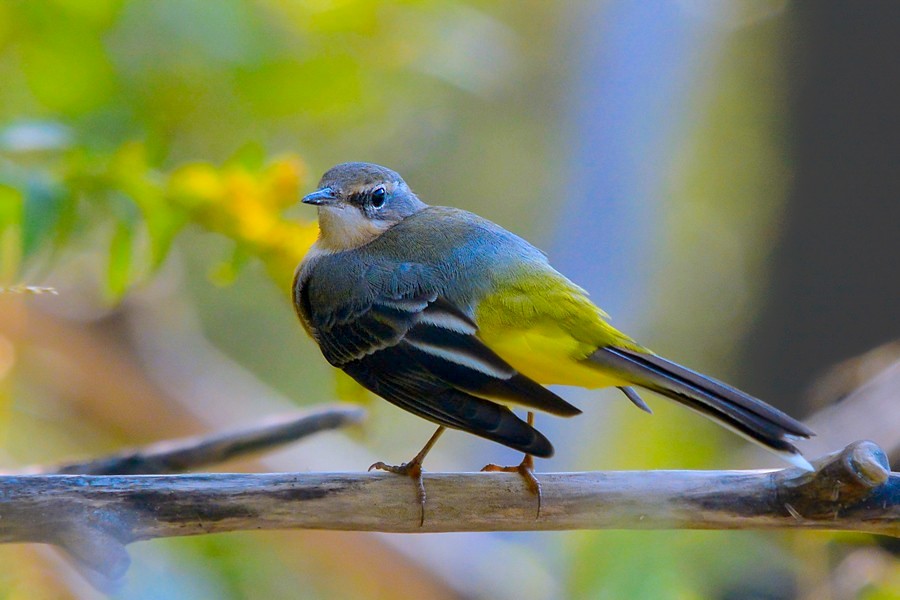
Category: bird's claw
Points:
column 526, row 470
column 411, row 469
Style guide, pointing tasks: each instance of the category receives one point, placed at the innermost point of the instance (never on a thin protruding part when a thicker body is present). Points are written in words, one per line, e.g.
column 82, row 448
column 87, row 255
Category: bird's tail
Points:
column 745, row 415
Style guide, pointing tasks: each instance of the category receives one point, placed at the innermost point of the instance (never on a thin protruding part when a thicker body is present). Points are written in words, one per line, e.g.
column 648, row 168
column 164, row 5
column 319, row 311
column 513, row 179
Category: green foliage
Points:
column 107, row 105
column 55, row 193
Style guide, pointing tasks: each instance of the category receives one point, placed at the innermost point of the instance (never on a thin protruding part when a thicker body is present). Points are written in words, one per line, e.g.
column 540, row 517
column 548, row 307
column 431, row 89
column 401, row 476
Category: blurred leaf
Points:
column 163, row 219
column 10, row 232
column 10, row 206
column 67, row 68
column 67, row 221
column 44, row 203
column 118, row 273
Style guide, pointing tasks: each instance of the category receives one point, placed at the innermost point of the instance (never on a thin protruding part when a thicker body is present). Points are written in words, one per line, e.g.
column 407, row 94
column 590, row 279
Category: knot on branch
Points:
column 843, row 480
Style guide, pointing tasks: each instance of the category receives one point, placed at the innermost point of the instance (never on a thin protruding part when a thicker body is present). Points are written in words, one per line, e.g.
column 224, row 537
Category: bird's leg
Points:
column 413, row 469
column 526, row 470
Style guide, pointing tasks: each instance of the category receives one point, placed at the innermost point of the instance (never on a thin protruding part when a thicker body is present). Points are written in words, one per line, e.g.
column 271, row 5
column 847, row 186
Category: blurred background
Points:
column 720, row 175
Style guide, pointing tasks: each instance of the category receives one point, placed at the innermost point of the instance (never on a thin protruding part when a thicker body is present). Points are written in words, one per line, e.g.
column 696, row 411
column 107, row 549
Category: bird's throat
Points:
column 345, row 228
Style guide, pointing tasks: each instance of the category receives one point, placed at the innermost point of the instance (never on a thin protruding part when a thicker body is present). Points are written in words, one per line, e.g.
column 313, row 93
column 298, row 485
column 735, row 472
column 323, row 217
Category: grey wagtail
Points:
column 455, row 319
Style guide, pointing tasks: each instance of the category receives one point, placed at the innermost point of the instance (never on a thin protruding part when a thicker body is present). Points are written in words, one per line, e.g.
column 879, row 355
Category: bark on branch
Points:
column 94, row 517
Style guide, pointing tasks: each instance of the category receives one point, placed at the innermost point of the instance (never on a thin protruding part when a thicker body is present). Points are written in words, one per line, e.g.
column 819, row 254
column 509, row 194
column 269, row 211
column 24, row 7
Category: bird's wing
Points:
column 422, row 353
column 395, row 374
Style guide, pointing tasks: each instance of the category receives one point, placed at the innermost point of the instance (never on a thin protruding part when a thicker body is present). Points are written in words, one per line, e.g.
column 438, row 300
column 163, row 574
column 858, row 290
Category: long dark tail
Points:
column 745, row 415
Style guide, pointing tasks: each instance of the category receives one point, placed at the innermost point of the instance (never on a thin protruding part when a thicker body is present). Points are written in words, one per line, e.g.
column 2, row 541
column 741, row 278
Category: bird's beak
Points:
column 322, row 197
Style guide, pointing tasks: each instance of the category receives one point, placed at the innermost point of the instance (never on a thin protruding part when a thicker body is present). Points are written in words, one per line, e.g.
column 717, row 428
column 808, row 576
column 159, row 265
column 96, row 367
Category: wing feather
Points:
column 425, row 395
column 422, row 353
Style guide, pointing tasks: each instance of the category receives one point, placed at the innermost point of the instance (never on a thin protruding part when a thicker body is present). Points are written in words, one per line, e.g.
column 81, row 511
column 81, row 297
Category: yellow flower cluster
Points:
column 247, row 207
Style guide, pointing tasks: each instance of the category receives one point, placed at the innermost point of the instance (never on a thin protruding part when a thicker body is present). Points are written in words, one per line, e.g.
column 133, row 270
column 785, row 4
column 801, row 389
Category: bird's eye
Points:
column 378, row 196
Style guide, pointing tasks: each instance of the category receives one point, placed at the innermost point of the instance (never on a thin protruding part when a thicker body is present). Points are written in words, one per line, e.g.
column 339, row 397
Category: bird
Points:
column 453, row 318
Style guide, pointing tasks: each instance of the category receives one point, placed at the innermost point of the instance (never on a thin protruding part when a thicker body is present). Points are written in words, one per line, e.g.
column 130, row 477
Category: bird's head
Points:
column 357, row 202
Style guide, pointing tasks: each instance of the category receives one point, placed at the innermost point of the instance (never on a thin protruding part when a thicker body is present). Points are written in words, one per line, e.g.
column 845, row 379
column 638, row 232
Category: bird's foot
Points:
column 411, row 469
column 526, row 470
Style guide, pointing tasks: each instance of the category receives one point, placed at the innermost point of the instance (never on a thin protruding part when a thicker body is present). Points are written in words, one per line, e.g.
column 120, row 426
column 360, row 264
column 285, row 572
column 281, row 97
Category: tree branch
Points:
column 93, row 517
column 178, row 456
